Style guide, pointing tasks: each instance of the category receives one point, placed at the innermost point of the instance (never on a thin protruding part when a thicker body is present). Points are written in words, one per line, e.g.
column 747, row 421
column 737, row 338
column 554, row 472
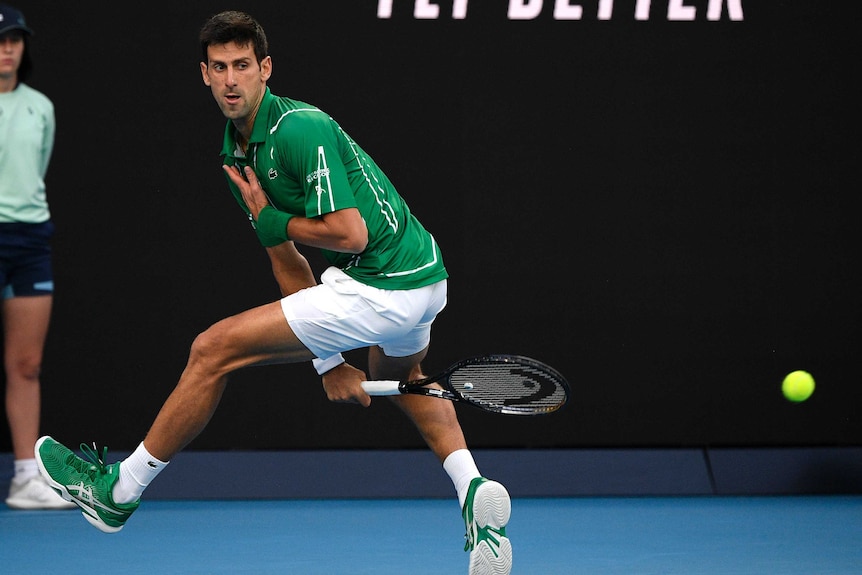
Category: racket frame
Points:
column 419, row 386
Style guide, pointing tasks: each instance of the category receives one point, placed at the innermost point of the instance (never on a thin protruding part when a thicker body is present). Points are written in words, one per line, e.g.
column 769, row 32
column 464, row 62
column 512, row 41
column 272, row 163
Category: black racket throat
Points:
column 417, row 387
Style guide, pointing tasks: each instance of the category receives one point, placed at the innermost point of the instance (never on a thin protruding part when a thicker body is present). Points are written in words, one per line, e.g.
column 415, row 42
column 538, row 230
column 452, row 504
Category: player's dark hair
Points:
column 233, row 26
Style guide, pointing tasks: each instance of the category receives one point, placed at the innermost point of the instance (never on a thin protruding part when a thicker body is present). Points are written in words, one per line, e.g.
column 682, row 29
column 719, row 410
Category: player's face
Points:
column 11, row 53
column 236, row 79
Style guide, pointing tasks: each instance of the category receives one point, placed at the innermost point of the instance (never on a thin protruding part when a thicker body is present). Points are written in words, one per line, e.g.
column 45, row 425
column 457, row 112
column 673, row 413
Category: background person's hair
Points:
column 233, row 26
column 26, row 62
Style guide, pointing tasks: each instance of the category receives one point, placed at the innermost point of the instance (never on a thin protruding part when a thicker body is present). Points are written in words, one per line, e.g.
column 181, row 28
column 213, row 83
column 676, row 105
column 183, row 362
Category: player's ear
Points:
column 266, row 68
column 205, row 73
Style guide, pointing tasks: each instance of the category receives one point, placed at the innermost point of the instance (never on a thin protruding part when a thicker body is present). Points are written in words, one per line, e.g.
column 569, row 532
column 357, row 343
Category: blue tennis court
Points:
column 590, row 535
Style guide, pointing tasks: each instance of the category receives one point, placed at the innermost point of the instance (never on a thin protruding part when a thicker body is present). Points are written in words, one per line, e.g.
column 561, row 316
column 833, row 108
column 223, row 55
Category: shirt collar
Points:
column 258, row 131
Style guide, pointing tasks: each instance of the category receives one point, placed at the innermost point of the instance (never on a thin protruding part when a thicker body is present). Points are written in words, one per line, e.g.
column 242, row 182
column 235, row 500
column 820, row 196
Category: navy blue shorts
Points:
column 25, row 259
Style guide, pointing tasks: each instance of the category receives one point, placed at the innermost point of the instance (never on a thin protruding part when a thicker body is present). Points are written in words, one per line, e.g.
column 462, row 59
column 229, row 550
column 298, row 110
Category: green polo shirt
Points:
column 309, row 166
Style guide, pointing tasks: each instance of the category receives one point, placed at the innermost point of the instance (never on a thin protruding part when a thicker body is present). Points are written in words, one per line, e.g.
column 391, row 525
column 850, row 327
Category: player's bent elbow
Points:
column 355, row 240
column 355, row 245
column 351, row 235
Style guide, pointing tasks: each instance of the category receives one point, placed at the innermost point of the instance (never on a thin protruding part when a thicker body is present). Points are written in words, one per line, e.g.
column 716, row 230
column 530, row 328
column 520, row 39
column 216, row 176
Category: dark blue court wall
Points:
column 658, row 198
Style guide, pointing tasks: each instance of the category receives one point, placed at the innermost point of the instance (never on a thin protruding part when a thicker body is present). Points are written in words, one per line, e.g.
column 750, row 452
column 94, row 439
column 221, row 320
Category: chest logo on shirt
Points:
column 317, row 175
column 273, row 173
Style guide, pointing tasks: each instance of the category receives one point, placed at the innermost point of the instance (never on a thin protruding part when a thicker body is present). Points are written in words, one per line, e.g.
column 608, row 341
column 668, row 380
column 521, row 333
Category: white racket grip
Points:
column 382, row 387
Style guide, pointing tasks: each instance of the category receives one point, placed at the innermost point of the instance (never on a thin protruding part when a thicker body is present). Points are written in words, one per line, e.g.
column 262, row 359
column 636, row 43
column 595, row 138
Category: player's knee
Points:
column 208, row 349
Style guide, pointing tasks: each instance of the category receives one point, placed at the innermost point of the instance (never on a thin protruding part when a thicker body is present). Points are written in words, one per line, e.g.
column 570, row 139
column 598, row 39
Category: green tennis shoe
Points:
column 88, row 484
column 486, row 512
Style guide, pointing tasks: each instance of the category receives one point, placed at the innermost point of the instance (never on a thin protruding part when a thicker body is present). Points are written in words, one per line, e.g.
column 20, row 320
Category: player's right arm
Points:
column 291, row 270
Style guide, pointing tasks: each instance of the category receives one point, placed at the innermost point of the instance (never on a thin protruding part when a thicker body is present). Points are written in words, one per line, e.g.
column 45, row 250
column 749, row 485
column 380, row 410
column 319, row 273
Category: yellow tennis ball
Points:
column 797, row 386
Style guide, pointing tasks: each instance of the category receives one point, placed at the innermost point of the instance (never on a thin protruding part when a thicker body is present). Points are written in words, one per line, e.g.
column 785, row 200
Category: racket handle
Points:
column 382, row 387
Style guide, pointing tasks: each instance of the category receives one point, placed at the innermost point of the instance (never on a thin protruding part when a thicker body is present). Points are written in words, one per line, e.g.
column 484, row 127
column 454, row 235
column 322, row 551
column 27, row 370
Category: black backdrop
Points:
column 664, row 210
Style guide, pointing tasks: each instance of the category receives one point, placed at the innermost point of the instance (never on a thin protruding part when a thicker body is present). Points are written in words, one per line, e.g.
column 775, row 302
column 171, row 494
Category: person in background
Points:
column 26, row 280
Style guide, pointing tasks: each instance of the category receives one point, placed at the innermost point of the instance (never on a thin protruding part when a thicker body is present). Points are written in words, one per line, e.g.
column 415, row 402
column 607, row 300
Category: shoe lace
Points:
column 92, row 454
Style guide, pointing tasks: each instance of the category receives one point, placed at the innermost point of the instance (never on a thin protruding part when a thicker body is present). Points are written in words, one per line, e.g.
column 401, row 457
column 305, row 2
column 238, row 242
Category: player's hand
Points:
column 250, row 188
column 342, row 384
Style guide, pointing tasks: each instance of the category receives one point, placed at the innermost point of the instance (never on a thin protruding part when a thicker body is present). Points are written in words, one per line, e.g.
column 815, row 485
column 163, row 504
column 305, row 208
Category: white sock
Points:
column 136, row 472
column 462, row 470
column 25, row 469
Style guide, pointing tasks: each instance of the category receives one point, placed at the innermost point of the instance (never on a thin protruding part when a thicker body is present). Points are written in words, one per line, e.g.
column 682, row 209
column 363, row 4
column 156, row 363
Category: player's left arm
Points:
column 290, row 268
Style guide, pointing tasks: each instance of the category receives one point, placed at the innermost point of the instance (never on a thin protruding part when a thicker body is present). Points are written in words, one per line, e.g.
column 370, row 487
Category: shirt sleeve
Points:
column 312, row 145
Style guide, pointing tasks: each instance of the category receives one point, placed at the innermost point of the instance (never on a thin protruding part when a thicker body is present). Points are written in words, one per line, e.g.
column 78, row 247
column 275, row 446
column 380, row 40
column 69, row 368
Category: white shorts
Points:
column 341, row 314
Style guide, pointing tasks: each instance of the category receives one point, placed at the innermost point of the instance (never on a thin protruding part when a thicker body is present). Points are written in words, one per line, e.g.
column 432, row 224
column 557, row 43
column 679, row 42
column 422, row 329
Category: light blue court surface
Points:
column 590, row 536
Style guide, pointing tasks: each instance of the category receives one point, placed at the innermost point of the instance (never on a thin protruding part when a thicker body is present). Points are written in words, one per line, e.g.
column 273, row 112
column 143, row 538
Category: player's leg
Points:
column 399, row 358
column 485, row 504
column 109, row 494
column 435, row 420
column 258, row 336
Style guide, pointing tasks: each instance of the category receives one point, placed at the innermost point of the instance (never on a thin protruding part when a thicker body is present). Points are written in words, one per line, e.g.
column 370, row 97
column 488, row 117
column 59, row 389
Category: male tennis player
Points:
column 300, row 178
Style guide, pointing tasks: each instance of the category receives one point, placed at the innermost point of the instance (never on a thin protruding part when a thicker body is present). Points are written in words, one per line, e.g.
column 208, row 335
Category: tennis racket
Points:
column 507, row 384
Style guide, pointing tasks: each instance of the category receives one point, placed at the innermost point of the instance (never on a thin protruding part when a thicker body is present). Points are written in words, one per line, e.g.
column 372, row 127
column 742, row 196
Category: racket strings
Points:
column 511, row 387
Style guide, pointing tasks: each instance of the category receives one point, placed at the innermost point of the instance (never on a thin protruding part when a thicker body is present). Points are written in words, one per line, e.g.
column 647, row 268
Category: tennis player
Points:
column 300, row 178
